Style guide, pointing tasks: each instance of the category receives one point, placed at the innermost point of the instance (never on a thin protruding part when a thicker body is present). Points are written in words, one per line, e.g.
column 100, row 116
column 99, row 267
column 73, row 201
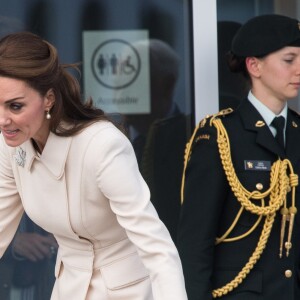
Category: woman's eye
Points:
column 289, row 61
column 16, row 106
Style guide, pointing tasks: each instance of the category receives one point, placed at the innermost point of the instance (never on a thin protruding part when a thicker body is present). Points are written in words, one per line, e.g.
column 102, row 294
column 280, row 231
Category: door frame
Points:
column 206, row 89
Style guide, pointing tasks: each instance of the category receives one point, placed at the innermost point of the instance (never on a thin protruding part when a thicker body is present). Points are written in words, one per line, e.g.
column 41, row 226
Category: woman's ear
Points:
column 253, row 65
column 49, row 99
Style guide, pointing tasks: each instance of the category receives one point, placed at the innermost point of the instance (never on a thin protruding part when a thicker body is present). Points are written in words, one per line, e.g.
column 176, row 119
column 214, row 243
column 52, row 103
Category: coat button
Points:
column 5, row 285
column 259, row 186
column 288, row 273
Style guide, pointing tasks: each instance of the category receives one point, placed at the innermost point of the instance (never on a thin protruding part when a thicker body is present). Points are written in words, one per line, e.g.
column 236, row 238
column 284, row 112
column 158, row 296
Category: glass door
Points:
column 137, row 65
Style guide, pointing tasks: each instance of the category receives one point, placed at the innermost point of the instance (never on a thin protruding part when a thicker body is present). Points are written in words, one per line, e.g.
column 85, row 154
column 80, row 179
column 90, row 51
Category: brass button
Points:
column 259, row 186
column 288, row 273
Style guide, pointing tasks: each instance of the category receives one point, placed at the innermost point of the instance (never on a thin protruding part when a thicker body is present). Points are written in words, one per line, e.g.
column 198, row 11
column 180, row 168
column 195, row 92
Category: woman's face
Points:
column 279, row 74
column 22, row 112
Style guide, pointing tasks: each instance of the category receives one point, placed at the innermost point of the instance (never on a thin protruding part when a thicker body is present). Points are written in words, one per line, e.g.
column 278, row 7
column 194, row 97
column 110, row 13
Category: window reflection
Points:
column 232, row 86
column 163, row 131
column 159, row 138
column 27, row 267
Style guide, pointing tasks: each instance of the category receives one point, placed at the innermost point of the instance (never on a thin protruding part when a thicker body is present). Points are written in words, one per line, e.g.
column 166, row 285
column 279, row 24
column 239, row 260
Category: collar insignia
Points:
column 260, row 124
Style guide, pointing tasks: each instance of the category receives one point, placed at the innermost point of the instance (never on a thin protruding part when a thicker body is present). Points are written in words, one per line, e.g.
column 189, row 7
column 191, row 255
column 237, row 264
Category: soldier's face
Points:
column 279, row 74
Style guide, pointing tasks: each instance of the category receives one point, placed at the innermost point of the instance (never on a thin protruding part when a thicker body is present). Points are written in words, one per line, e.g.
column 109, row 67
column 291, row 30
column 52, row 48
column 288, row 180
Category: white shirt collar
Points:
column 265, row 112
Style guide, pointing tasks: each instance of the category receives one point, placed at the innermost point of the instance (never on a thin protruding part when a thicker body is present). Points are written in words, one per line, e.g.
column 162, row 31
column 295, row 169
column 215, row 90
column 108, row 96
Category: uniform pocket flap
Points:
column 124, row 272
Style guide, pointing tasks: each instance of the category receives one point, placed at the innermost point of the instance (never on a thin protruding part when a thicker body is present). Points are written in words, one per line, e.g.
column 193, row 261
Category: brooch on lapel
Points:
column 20, row 157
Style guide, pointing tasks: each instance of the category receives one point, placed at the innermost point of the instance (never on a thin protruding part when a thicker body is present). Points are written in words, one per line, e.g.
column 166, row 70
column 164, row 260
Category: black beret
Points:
column 265, row 34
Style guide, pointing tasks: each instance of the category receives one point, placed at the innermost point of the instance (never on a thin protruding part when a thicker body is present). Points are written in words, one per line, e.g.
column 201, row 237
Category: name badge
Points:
column 257, row 165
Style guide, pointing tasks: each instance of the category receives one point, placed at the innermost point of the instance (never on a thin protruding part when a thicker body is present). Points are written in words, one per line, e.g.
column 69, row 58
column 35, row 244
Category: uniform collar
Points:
column 253, row 121
column 265, row 112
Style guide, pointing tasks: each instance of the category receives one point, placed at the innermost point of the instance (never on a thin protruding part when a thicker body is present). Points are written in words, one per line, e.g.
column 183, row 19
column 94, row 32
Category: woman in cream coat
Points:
column 76, row 176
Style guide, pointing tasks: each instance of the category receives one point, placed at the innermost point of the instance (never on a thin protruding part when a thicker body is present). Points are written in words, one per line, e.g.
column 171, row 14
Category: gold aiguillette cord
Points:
column 284, row 212
column 288, row 215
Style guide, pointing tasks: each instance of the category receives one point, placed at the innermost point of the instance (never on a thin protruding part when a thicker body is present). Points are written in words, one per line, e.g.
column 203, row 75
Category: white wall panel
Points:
column 205, row 58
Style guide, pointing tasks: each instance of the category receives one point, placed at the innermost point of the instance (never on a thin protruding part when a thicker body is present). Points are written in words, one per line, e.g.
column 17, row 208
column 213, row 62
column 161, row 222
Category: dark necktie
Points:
column 278, row 123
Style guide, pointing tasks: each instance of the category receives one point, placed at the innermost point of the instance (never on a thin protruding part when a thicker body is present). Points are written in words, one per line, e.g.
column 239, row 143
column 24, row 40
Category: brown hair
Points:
column 26, row 56
column 237, row 64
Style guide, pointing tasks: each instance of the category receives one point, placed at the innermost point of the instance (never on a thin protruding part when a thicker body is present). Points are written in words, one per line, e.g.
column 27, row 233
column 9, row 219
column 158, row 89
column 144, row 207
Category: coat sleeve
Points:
column 205, row 190
column 11, row 209
column 120, row 181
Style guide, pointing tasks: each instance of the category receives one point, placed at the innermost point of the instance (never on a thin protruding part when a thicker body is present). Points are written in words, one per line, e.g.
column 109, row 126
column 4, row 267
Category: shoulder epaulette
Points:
column 221, row 113
column 188, row 148
column 203, row 121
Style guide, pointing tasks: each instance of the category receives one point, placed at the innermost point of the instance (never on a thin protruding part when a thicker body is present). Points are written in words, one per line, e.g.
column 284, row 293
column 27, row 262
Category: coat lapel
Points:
column 253, row 121
column 54, row 155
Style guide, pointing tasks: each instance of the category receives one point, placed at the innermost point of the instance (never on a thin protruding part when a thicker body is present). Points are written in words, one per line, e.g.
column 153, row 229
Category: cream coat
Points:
column 88, row 192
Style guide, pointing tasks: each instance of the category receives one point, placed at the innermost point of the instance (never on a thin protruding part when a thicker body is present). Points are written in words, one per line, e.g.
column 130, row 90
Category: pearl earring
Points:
column 48, row 115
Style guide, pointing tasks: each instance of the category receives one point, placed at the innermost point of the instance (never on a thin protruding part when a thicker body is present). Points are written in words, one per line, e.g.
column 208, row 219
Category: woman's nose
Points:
column 4, row 119
column 298, row 67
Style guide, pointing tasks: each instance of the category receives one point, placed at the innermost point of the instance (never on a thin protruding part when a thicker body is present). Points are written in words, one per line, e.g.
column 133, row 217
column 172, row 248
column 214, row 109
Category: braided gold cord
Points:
column 280, row 184
column 187, row 154
column 224, row 237
column 279, row 180
column 251, row 262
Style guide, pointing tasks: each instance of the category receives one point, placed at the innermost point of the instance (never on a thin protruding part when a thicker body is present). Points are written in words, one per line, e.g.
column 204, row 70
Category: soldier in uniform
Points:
column 239, row 235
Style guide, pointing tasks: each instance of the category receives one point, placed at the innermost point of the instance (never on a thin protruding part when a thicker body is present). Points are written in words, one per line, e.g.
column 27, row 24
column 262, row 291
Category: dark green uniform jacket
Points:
column 210, row 207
